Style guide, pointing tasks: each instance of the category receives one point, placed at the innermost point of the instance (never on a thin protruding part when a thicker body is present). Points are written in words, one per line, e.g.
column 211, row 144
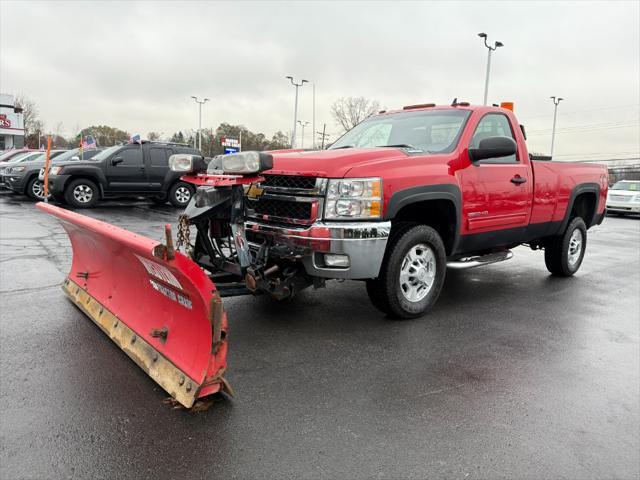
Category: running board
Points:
column 477, row 261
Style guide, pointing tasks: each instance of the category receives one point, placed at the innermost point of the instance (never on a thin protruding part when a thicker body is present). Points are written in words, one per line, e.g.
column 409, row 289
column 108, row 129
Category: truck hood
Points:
column 330, row 163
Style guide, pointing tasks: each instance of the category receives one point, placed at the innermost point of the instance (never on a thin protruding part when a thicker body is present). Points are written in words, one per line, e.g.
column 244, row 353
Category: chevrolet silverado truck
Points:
column 406, row 194
column 131, row 170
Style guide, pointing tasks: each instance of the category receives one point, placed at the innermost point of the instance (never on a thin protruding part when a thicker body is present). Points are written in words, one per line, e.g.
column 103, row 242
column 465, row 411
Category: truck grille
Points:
column 289, row 181
column 281, row 208
column 619, row 198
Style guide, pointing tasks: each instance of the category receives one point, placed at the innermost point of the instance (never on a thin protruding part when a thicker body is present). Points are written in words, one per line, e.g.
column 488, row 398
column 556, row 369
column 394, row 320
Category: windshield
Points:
column 24, row 157
column 432, row 131
column 107, row 153
column 631, row 186
column 9, row 154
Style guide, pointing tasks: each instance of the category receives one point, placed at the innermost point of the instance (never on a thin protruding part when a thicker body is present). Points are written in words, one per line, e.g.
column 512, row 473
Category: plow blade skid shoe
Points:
column 164, row 313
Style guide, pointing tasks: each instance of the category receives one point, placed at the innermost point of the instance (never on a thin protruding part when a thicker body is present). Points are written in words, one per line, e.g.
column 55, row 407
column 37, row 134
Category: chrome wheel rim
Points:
column 575, row 247
column 38, row 189
column 183, row 195
column 83, row 193
column 417, row 272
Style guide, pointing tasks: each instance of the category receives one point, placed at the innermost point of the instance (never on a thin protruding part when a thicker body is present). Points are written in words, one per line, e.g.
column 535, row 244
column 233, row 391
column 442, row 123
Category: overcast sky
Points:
column 135, row 65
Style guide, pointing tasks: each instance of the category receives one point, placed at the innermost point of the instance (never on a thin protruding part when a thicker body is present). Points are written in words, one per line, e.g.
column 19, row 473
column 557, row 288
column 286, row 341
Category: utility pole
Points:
column 200, row 103
column 295, row 109
column 313, row 125
column 302, row 124
column 555, row 101
column 491, row 49
column 323, row 135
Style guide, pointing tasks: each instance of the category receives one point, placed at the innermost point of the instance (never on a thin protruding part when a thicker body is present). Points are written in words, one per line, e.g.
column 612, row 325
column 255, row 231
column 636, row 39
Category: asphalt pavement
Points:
column 514, row 374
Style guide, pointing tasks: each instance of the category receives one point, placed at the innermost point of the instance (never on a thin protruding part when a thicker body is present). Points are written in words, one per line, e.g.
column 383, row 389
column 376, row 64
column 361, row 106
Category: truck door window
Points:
column 158, row 157
column 131, row 156
column 493, row 125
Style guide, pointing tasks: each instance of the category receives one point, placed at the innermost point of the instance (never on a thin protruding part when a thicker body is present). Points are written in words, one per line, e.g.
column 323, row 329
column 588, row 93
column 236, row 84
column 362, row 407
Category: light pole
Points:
column 295, row 109
column 555, row 101
column 491, row 49
column 200, row 103
column 302, row 124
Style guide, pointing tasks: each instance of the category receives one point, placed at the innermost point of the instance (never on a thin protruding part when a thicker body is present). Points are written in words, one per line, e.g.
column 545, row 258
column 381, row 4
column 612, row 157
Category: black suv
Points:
column 131, row 170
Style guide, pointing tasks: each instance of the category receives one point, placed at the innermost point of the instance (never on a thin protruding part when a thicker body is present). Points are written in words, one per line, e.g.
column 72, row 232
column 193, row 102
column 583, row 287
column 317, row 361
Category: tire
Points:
column 563, row 254
column 180, row 194
column 412, row 273
column 82, row 193
column 35, row 189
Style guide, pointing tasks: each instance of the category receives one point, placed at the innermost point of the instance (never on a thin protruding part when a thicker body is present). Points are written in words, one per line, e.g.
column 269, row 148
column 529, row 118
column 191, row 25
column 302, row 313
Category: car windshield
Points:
column 431, row 131
column 107, row 153
column 7, row 155
column 630, row 186
column 23, row 157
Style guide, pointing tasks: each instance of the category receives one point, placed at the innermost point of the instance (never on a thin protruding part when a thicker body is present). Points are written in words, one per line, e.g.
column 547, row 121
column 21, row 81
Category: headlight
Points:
column 17, row 169
column 354, row 198
column 55, row 170
column 636, row 198
column 242, row 163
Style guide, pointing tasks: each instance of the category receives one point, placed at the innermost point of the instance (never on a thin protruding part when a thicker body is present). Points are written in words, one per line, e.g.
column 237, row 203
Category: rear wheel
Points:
column 82, row 193
column 412, row 273
column 35, row 189
column 563, row 255
column 180, row 194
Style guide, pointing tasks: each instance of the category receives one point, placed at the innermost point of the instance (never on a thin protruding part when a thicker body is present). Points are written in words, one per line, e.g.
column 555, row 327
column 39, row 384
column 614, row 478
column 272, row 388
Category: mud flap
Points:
column 164, row 313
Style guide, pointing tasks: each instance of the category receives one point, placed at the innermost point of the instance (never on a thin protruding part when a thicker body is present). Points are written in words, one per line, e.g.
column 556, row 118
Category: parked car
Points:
column 131, row 170
column 25, row 156
column 624, row 197
column 24, row 178
column 9, row 154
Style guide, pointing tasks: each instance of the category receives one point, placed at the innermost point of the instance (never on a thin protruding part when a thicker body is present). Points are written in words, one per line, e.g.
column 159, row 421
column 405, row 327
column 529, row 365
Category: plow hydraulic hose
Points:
column 156, row 304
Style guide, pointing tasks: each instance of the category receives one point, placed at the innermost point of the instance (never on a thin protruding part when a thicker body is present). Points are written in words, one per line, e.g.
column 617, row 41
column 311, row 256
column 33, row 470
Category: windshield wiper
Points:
column 344, row 146
column 402, row 145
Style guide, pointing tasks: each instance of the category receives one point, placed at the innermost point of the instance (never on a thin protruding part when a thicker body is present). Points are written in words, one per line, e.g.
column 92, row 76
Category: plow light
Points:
column 183, row 162
column 243, row 163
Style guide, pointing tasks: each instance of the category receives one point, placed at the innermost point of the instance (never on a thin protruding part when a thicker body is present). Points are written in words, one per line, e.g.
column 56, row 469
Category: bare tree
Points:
column 33, row 126
column 350, row 111
column 153, row 136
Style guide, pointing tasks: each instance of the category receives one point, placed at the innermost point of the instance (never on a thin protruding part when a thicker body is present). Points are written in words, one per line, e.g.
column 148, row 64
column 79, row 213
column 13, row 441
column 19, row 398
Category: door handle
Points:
column 518, row 180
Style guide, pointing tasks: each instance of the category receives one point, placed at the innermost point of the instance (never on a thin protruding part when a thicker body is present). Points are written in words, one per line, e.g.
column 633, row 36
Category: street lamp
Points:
column 200, row 103
column 555, row 101
column 302, row 124
column 491, row 49
column 295, row 109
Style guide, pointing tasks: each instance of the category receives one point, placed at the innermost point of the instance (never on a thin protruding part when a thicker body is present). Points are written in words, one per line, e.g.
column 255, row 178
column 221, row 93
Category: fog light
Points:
column 334, row 260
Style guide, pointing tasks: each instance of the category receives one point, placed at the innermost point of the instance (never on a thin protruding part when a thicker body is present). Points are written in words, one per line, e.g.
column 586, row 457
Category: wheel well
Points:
column 584, row 206
column 438, row 214
column 29, row 178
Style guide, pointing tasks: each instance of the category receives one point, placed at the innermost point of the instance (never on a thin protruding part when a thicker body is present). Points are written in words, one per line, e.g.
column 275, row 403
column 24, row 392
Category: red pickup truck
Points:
column 408, row 193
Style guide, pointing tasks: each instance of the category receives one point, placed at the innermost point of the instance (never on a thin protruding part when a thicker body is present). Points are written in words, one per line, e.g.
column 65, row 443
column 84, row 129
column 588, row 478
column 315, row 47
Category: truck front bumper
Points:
column 362, row 243
column 623, row 207
column 15, row 182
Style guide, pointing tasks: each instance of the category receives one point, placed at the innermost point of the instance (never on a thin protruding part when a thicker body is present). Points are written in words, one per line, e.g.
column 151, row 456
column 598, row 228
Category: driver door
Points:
column 126, row 171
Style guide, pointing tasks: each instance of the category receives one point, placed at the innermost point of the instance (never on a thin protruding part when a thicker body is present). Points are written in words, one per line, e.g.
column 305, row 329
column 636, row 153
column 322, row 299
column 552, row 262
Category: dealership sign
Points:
column 4, row 121
column 230, row 142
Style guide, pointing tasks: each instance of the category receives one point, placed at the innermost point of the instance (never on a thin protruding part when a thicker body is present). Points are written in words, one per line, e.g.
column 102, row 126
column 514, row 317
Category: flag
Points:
column 89, row 143
column 135, row 138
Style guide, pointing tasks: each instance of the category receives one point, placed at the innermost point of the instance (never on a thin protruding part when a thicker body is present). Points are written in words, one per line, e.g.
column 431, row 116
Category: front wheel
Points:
column 563, row 255
column 412, row 273
column 180, row 194
column 35, row 189
column 82, row 193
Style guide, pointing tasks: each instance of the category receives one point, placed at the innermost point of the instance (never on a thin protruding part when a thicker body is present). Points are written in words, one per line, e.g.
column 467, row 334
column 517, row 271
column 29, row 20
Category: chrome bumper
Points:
column 363, row 242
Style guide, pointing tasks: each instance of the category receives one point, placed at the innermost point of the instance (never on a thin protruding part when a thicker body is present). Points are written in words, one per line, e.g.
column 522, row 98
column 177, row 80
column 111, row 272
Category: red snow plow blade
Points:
column 161, row 309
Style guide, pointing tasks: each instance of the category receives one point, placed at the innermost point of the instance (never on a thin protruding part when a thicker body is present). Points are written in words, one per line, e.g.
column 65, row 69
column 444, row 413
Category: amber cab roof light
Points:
column 507, row 105
column 422, row 105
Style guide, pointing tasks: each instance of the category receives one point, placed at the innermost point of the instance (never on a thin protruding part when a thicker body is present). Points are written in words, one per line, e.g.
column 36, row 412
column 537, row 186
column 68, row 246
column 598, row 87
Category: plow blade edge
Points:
column 163, row 312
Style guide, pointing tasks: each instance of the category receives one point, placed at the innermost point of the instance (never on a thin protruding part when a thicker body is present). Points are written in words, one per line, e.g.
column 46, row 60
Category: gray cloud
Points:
column 136, row 65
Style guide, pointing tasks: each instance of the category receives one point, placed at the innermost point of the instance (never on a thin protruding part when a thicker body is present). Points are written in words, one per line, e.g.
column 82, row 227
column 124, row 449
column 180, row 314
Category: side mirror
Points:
column 116, row 161
column 493, row 147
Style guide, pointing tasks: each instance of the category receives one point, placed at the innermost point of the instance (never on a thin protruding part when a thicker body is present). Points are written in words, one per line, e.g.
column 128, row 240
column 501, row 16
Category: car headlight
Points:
column 242, row 163
column 17, row 169
column 55, row 170
column 354, row 198
column 636, row 198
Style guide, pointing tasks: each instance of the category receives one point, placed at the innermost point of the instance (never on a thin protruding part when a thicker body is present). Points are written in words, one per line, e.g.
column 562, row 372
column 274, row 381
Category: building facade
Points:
column 11, row 124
